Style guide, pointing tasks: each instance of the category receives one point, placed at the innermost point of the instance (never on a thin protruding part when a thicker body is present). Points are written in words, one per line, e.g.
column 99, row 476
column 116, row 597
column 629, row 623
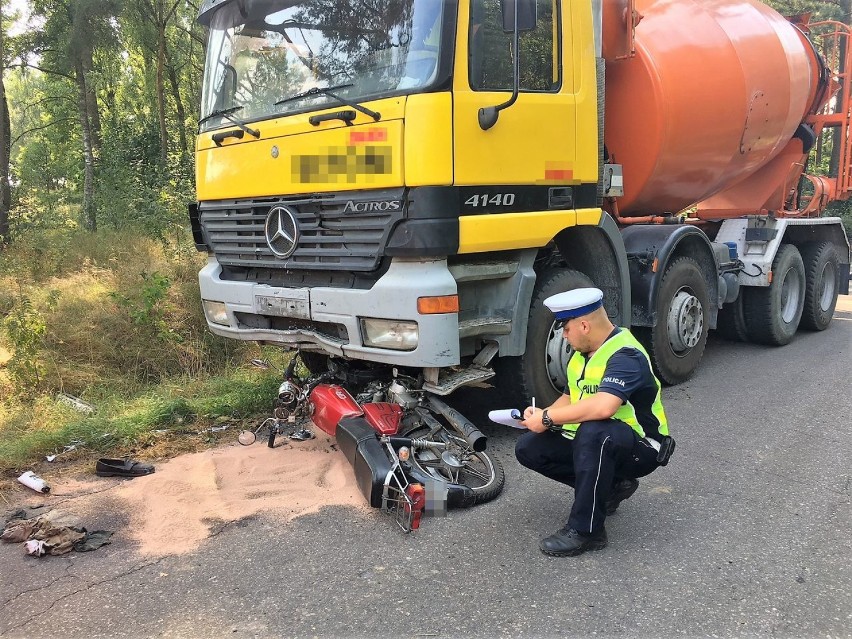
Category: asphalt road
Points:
column 746, row 532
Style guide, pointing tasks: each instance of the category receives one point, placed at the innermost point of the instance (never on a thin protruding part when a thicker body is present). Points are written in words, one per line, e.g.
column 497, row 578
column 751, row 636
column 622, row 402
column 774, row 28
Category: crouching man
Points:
column 607, row 429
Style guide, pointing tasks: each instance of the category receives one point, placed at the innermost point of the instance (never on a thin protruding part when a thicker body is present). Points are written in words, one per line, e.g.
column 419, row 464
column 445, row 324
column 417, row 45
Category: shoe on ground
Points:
column 621, row 491
column 570, row 543
column 122, row 468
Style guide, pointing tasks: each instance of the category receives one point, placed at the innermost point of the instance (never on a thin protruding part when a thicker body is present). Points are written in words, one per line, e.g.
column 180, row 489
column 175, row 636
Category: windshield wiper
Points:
column 329, row 91
column 226, row 113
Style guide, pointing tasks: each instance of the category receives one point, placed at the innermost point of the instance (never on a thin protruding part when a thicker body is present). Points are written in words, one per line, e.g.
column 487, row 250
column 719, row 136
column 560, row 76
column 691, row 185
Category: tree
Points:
column 72, row 30
column 5, row 141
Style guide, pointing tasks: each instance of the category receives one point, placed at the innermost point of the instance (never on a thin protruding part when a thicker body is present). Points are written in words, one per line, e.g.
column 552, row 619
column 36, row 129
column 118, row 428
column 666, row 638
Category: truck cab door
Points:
column 549, row 135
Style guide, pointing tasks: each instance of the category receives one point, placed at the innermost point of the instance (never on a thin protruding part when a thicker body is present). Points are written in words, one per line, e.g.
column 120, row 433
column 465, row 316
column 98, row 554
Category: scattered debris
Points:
column 73, row 445
column 35, row 548
column 31, row 480
column 122, row 468
column 54, row 533
column 75, row 402
column 216, row 429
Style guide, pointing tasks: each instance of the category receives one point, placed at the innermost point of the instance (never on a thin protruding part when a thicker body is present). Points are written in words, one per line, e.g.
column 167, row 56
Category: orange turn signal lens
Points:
column 439, row 304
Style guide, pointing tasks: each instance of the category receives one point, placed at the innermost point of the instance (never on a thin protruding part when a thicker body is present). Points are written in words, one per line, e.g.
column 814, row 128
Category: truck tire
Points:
column 772, row 313
column 676, row 342
column 541, row 371
column 821, row 285
column 316, row 363
column 730, row 323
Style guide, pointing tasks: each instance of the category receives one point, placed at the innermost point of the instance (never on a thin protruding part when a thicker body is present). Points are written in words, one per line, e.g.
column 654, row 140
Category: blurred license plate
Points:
column 291, row 306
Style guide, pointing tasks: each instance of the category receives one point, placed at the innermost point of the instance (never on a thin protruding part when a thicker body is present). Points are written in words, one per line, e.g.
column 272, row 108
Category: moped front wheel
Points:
column 458, row 463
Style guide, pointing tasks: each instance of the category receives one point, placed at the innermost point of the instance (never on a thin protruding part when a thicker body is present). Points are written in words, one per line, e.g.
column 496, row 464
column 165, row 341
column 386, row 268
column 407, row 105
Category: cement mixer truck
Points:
column 401, row 183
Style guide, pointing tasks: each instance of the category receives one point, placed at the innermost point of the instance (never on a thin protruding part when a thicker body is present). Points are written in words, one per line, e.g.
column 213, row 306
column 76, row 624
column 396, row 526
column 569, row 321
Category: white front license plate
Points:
column 290, row 306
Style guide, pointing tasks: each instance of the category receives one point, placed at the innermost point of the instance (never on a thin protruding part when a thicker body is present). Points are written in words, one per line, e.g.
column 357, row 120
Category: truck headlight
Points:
column 393, row 334
column 215, row 312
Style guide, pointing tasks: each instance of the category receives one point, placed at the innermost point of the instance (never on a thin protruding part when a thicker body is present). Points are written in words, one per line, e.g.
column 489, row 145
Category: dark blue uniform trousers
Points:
column 602, row 453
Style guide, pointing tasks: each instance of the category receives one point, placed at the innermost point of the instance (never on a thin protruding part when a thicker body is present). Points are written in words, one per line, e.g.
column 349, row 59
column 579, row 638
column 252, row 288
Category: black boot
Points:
column 620, row 491
column 569, row 543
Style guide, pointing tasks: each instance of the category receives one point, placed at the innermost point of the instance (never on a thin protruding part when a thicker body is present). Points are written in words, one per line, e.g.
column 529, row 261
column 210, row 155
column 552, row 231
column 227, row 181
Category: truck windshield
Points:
column 263, row 52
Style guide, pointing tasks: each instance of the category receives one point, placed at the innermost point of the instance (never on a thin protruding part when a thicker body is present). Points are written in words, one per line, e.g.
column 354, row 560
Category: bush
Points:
column 118, row 310
column 115, row 319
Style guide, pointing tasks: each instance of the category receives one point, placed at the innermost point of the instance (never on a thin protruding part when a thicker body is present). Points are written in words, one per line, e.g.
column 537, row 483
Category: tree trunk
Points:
column 92, row 107
column 161, row 94
column 5, row 149
column 181, row 113
column 88, row 213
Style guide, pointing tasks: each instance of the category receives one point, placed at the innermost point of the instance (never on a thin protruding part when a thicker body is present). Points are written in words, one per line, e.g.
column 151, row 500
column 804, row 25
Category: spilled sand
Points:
column 173, row 510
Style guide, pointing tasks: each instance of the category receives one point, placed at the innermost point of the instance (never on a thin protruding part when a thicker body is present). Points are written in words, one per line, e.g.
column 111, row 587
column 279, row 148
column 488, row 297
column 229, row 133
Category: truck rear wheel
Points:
column 821, row 285
column 731, row 321
column 541, row 371
column 676, row 342
column 773, row 312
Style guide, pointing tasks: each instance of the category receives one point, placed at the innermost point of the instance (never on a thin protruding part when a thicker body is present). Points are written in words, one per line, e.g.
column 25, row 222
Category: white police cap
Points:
column 576, row 303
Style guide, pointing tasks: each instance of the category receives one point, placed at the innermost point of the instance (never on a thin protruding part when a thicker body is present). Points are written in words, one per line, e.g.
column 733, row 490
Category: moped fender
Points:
column 458, row 495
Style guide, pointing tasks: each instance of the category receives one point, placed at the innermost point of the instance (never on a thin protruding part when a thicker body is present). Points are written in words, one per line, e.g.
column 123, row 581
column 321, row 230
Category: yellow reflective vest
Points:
column 584, row 377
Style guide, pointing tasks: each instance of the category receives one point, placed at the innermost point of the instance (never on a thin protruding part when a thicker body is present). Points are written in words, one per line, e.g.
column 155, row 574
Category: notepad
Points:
column 507, row 417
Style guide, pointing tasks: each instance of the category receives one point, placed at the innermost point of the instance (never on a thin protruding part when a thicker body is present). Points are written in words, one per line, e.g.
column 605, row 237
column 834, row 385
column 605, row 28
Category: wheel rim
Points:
column 457, row 465
column 685, row 321
column 790, row 296
column 826, row 287
column 557, row 353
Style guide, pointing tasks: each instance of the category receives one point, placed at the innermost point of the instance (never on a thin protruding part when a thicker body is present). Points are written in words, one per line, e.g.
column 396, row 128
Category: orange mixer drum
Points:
column 716, row 89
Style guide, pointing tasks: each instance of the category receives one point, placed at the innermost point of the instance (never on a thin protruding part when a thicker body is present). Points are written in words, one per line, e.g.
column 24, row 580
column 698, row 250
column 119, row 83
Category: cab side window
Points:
column 490, row 49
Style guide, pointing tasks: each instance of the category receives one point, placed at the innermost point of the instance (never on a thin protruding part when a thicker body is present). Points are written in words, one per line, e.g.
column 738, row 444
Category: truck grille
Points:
column 331, row 238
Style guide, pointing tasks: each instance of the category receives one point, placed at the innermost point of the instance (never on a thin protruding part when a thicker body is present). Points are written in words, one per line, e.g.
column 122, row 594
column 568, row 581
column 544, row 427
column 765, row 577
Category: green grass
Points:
column 158, row 419
column 115, row 319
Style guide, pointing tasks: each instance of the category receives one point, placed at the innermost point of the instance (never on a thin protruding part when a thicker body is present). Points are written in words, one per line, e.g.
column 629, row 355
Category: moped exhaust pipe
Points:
column 461, row 424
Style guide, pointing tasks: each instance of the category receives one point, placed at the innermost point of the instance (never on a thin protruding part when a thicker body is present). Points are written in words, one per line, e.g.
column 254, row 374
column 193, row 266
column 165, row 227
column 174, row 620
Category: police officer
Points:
column 604, row 431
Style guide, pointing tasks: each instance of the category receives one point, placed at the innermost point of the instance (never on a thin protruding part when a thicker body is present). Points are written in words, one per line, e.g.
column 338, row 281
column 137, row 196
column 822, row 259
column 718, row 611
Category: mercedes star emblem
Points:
column 282, row 231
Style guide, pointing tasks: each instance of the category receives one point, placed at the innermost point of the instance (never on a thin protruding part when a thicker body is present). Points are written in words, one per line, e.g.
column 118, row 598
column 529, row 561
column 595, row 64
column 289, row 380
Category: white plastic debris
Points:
column 75, row 402
column 35, row 547
column 31, row 480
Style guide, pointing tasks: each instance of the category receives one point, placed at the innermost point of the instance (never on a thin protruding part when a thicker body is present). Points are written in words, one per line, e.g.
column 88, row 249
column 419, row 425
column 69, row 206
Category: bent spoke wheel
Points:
column 459, row 464
column 676, row 342
column 772, row 313
column 821, row 285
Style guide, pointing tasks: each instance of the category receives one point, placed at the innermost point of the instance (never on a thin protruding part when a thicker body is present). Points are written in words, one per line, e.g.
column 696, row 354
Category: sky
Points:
column 23, row 7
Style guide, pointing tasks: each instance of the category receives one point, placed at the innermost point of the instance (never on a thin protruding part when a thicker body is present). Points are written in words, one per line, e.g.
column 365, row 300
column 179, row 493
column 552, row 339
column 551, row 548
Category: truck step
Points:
column 485, row 325
column 456, row 379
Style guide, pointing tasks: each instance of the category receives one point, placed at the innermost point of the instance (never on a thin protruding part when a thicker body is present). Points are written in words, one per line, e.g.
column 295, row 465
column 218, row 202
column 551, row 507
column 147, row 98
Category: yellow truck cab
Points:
column 404, row 182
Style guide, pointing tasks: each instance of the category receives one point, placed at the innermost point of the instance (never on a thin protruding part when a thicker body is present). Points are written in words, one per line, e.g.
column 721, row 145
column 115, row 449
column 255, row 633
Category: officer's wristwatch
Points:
column 545, row 420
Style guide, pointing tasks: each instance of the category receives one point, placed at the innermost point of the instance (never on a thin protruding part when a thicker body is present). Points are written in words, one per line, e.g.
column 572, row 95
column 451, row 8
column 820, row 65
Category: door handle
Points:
column 218, row 138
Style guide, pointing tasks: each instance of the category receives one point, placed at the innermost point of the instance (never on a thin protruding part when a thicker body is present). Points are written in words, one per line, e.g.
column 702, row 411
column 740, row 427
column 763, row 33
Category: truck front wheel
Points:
column 541, row 371
column 316, row 363
column 676, row 342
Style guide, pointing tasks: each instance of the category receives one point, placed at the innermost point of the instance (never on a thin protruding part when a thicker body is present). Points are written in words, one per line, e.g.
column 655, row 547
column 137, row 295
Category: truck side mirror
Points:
column 518, row 15
column 527, row 15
